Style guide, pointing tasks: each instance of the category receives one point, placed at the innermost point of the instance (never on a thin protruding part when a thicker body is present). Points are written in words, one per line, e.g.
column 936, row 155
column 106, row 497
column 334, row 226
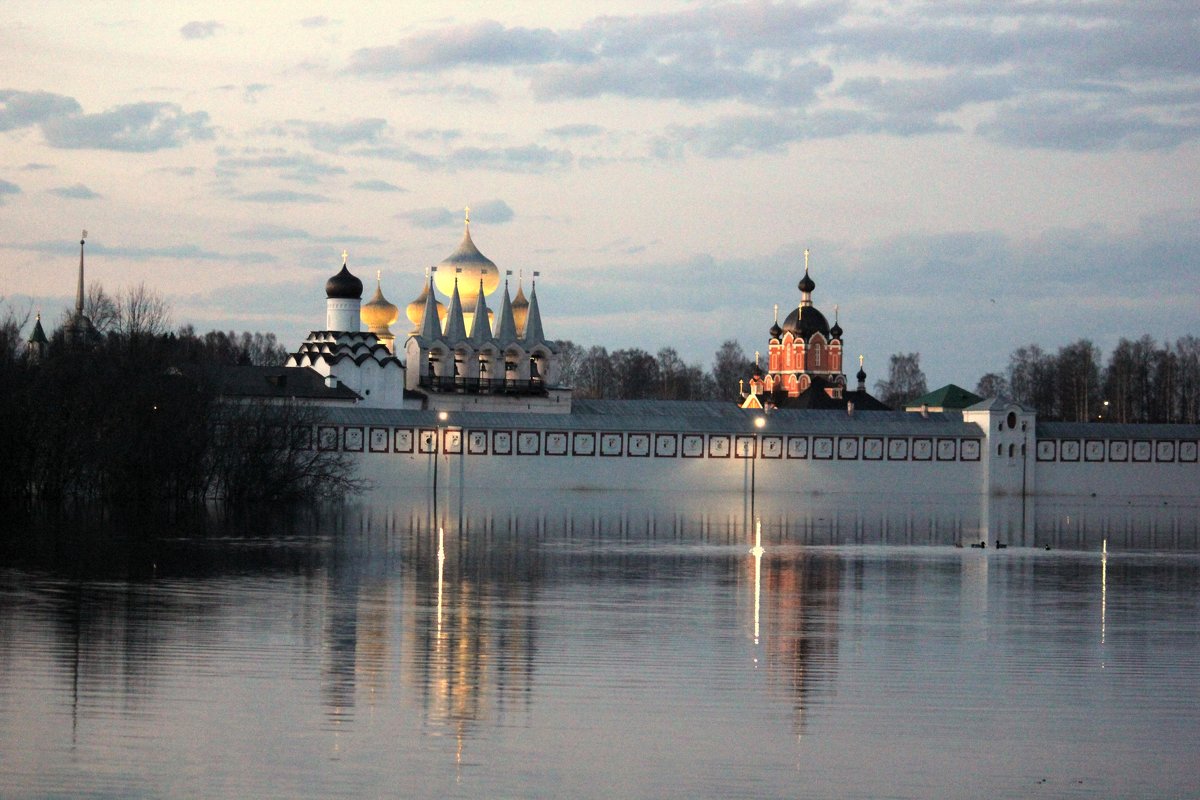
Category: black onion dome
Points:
column 806, row 283
column 776, row 331
column 757, row 371
column 862, row 374
column 836, row 331
column 805, row 321
column 344, row 286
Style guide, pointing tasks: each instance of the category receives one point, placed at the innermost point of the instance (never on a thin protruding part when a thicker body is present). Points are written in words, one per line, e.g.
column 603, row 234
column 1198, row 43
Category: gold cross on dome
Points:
column 467, row 215
column 345, row 256
column 806, row 259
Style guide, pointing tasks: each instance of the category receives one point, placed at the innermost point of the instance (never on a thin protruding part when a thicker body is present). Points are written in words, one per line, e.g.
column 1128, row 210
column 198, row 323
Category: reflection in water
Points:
column 1103, row 589
column 382, row 649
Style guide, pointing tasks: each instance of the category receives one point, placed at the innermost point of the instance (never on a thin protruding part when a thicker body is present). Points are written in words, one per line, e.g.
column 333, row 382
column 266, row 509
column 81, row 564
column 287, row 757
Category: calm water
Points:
column 605, row 646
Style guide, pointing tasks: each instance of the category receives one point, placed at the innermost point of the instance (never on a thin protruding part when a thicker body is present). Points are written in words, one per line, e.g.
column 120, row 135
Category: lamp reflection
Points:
column 799, row 600
column 1103, row 586
column 757, row 552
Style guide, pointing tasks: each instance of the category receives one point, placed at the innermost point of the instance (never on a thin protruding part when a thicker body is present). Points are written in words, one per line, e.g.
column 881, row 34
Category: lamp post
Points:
column 437, row 445
column 759, row 422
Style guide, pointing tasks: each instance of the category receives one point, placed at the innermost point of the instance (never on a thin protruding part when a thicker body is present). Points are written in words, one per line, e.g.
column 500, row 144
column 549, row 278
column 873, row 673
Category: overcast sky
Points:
column 969, row 177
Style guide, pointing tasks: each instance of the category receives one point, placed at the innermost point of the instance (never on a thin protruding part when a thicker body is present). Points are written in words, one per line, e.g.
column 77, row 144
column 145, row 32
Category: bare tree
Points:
column 730, row 364
column 1077, row 388
column 595, row 375
column 570, row 358
column 141, row 313
column 993, row 384
column 262, row 450
column 100, row 308
column 905, row 380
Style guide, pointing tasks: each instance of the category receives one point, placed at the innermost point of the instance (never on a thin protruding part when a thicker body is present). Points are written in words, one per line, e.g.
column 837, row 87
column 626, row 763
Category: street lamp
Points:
column 759, row 422
column 436, row 440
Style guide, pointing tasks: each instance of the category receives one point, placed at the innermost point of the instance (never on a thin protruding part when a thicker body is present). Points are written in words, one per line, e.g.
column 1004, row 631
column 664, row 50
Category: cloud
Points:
column 33, row 166
column 316, row 22
column 430, row 217
column 276, row 233
column 289, row 166
column 333, row 136
column 447, row 91
column 481, row 43
column 282, row 196
column 525, row 158
column 691, row 82
column 376, row 185
column 133, row 128
column 576, row 131
column 7, row 188
column 1084, row 125
column 517, row 159
column 182, row 252
column 200, row 30
column 182, row 172
column 495, row 212
column 76, row 192
column 23, row 109
column 928, row 95
column 251, row 91
column 1051, row 75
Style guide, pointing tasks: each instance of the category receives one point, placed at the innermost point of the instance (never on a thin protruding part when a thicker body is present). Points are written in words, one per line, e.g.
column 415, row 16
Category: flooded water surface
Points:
column 605, row 646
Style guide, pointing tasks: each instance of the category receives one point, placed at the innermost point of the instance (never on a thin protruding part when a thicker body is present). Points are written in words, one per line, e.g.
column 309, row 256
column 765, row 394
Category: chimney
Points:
column 331, row 381
column 850, row 409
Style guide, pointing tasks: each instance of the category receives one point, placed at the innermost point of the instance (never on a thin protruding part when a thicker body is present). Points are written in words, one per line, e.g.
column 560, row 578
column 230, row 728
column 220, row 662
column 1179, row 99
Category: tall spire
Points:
column 431, row 327
column 79, row 289
column 79, row 326
column 506, row 331
column 533, row 323
column 456, row 329
column 481, row 326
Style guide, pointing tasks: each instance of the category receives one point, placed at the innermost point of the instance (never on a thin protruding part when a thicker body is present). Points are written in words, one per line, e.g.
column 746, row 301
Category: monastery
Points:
column 468, row 391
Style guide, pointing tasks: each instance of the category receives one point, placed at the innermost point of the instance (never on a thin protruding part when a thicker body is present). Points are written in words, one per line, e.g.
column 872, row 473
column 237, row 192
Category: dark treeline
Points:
column 1142, row 381
column 635, row 374
column 131, row 413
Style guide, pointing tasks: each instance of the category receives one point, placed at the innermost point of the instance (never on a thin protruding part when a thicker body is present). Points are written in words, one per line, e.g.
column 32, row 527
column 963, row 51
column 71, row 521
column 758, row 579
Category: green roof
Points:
column 949, row 396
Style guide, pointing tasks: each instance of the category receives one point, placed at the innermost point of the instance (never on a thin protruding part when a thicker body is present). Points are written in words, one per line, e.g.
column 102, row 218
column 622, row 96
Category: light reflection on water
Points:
column 606, row 645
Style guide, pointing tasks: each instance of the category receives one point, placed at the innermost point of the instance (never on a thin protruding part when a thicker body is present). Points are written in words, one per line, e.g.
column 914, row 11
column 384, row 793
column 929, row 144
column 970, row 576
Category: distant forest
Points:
column 1141, row 381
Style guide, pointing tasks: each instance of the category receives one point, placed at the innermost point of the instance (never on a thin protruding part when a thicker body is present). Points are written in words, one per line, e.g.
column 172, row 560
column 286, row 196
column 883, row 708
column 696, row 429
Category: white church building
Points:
column 459, row 355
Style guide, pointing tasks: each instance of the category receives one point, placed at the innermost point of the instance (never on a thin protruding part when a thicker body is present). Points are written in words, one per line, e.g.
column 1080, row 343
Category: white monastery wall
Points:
column 888, row 454
column 1155, row 461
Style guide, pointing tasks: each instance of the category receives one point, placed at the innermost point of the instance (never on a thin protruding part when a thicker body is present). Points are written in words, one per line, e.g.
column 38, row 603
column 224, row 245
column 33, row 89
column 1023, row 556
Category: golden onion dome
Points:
column 520, row 309
column 377, row 313
column 469, row 266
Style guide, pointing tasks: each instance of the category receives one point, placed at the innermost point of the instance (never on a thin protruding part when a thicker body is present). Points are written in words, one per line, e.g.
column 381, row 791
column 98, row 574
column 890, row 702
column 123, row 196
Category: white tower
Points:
column 344, row 293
